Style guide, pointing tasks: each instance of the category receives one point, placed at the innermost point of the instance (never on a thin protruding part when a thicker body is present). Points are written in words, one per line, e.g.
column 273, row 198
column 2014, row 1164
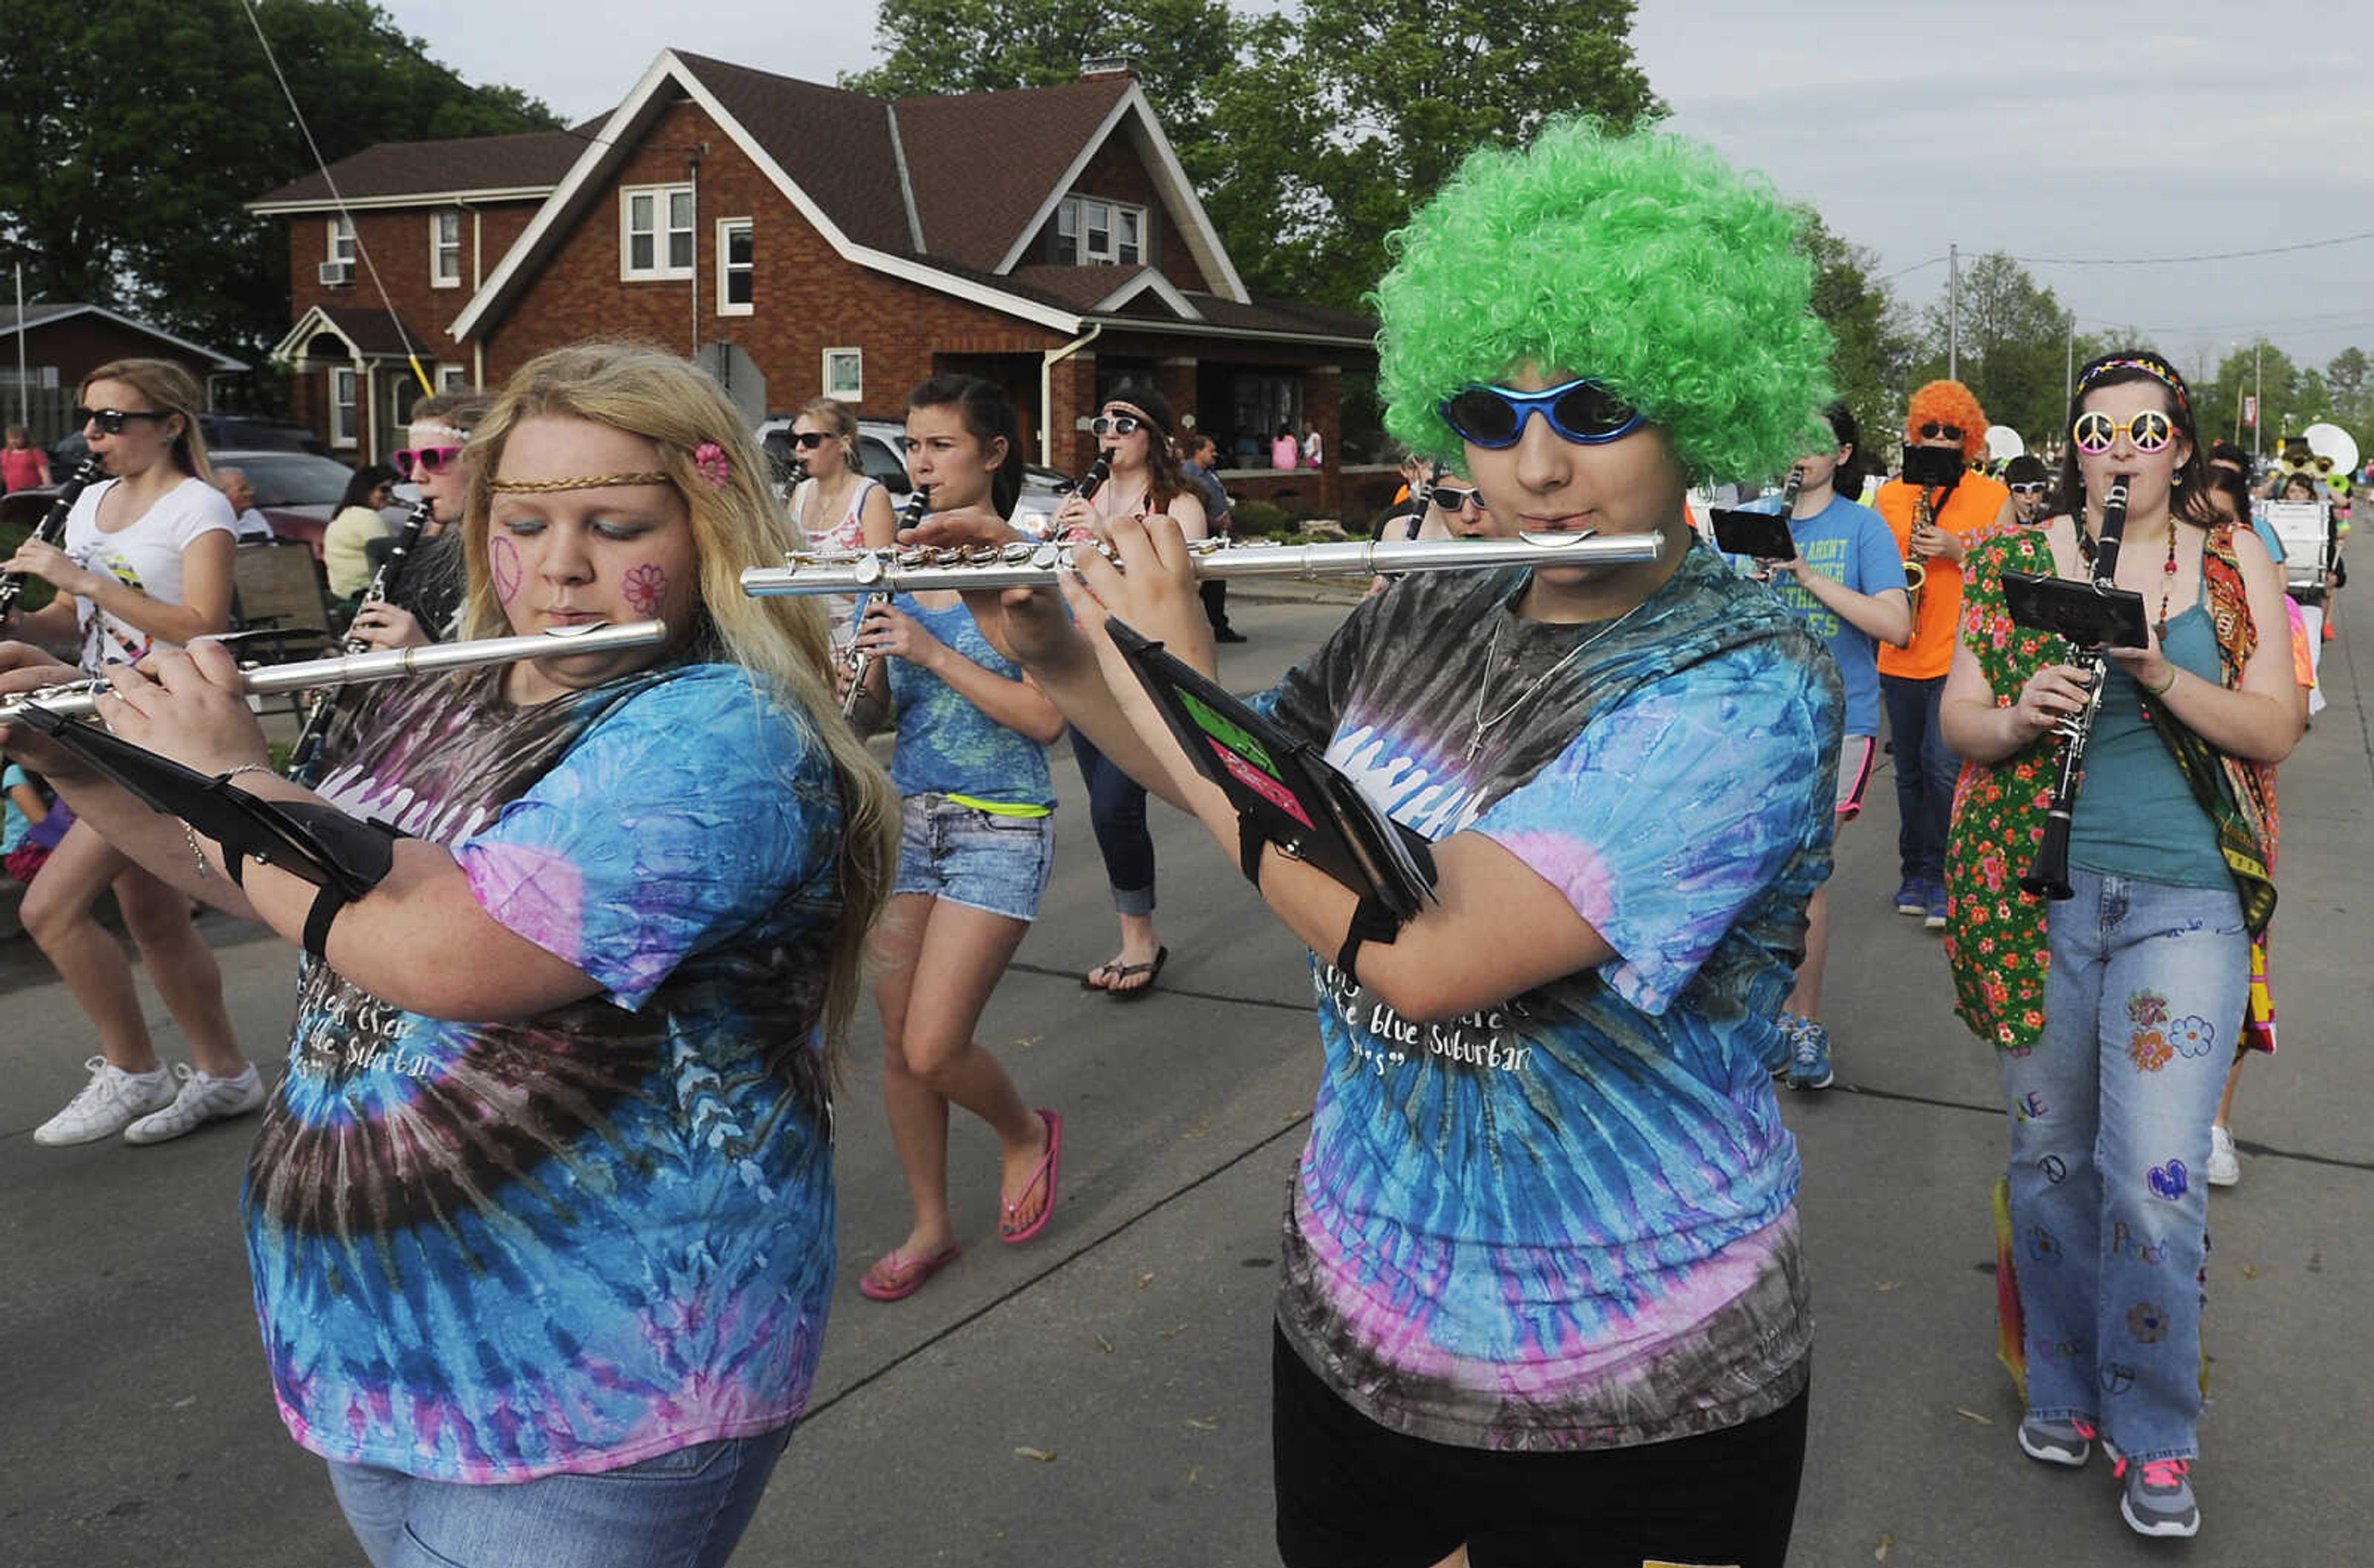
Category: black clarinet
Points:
column 324, row 702
column 1422, row 497
column 860, row 662
column 1094, row 479
column 53, row 526
column 2049, row 877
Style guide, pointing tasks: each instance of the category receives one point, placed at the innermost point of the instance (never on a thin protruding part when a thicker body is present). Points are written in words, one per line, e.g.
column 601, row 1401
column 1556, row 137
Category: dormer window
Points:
column 1091, row 231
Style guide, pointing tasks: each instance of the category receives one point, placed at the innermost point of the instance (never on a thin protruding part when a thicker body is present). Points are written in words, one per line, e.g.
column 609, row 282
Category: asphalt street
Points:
column 1100, row 1396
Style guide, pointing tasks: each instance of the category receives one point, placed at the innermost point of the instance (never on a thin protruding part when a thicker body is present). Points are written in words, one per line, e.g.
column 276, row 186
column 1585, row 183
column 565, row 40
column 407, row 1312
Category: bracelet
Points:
column 2168, row 687
column 245, row 768
column 197, row 854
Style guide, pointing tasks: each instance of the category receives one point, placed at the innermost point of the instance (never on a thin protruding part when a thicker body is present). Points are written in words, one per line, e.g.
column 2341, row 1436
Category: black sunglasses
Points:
column 808, row 440
column 1452, row 499
column 110, row 421
column 1934, row 431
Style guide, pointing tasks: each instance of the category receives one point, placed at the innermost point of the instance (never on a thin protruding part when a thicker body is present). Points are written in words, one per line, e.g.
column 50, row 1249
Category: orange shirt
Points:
column 1969, row 512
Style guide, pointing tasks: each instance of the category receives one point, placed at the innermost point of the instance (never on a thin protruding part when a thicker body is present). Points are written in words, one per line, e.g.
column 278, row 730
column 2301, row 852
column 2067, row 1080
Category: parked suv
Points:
column 880, row 444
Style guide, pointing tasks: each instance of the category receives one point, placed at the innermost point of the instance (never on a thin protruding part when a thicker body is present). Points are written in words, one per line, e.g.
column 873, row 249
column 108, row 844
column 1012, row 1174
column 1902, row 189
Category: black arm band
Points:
column 327, row 903
column 1372, row 921
column 1250, row 842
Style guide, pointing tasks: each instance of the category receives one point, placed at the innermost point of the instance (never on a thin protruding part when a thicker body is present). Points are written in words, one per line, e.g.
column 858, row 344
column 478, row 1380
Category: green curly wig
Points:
column 1643, row 261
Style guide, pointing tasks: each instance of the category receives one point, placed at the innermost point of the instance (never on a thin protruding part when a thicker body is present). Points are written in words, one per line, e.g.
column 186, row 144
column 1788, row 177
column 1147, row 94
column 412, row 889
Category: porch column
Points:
column 1322, row 409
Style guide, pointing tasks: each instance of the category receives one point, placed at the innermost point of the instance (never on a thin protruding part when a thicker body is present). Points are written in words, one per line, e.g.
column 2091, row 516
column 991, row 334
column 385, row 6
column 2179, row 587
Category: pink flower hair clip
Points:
column 715, row 465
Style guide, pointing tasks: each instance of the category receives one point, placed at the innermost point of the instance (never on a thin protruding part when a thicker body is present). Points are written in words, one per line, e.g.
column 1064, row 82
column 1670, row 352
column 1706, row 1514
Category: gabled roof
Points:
column 370, row 334
column 35, row 317
column 904, row 189
column 478, row 169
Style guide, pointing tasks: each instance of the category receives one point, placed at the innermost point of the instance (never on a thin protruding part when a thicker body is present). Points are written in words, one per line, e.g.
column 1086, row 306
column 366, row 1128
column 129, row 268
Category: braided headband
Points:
column 708, row 460
column 584, row 482
column 2158, row 369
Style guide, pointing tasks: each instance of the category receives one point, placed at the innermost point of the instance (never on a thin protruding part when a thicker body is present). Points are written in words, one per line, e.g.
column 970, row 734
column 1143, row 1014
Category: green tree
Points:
column 1310, row 135
column 1871, row 345
column 132, row 132
column 2013, row 345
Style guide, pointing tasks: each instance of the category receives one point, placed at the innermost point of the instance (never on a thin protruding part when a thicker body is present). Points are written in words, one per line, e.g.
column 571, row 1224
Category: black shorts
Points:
column 1353, row 1494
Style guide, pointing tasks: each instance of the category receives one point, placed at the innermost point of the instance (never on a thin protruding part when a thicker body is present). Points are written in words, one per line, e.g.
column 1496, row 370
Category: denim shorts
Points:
column 687, row 1506
column 975, row 858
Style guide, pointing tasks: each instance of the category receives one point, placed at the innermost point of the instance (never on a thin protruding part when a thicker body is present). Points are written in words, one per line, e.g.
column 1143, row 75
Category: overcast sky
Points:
column 2045, row 128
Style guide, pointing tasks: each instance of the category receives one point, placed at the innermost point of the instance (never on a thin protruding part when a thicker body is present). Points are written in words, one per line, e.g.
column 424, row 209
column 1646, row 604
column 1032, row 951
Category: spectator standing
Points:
column 23, row 465
column 1283, row 451
column 1200, row 455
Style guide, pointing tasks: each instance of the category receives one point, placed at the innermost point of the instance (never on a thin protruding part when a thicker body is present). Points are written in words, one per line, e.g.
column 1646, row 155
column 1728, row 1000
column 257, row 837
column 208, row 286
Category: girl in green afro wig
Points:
column 1644, row 262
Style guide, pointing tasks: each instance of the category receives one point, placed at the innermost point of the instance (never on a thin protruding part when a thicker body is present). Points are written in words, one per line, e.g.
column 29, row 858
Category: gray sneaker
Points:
column 2157, row 1499
column 204, row 1098
column 111, row 1101
column 2056, row 1442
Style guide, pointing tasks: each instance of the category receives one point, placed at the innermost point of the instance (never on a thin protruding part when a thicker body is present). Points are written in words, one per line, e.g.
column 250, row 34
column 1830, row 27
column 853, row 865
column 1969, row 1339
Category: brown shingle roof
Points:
column 535, row 159
column 834, row 144
column 982, row 163
column 1078, row 288
column 374, row 333
column 1284, row 316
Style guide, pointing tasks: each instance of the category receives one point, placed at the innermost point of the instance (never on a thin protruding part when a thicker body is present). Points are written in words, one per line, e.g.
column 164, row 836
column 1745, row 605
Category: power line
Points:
column 2171, row 260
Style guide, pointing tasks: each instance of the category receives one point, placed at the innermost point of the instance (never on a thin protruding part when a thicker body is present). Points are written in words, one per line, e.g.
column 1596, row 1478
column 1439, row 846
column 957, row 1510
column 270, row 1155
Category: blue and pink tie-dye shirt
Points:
column 1568, row 1220
column 489, row 1252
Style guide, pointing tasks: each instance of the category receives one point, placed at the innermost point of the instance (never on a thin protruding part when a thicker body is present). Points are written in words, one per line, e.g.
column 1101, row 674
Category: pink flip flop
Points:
column 894, row 1278
column 1048, row 1170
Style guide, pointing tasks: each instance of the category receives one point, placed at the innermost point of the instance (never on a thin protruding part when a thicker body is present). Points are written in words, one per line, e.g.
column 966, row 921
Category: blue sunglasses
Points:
column 1580, row 410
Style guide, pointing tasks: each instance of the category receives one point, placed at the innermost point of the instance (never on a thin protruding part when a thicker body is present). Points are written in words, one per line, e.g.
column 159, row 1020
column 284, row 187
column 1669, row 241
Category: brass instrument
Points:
column 78, row 699
column 1028, row 563
column 1916, row 567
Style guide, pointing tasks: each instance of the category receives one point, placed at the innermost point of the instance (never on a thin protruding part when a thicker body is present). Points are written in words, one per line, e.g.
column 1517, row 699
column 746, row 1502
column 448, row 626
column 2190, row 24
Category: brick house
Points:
column 61, row 344
column 804, row 240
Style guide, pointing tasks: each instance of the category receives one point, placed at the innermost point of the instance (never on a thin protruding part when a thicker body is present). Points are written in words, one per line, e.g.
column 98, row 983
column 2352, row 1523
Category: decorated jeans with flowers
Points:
column 2109, row 1152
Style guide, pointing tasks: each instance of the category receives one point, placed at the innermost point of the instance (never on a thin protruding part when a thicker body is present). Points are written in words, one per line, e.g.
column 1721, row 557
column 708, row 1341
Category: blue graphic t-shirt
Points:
column 1568, row 1220
column 1848, row 544
column 489, row 1252
column 946, row 746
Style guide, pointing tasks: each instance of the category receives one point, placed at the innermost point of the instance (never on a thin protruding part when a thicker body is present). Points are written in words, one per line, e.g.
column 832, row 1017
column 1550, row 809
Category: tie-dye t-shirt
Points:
column 488, row 1252
column 1567, row 1220
column 946, row 746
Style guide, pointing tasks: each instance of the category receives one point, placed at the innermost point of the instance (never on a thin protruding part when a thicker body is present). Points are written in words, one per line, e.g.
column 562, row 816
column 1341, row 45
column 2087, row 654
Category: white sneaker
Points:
column 204, row 1098
column 110, row 1102
column 2224, row 1168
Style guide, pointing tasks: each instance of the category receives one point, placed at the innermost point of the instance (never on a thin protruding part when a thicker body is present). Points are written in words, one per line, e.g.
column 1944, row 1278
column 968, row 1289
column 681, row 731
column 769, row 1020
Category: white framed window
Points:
column 844, row 374
column 736, row 267
column 338, row 251
column 655, row 231
column 453, row 378
column 342, row 405
column 445, row 249
column 1091, row 231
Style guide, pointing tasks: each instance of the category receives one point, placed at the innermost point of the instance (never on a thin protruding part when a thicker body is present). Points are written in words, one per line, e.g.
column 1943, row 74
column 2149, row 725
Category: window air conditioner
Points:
column 337, row 274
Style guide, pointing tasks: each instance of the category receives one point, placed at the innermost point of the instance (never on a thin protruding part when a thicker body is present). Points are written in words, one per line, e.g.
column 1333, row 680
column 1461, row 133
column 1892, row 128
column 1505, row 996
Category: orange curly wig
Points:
column 1948, row 402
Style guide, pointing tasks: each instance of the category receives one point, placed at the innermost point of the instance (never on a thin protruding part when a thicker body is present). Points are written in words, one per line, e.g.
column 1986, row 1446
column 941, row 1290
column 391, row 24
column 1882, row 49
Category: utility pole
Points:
column 24, row 392
column 2258, row 395
column 2069, row 371
column 1953, row 313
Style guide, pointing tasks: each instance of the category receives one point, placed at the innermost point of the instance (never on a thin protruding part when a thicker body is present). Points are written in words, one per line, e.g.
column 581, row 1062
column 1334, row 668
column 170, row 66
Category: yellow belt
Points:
column 1001, row 808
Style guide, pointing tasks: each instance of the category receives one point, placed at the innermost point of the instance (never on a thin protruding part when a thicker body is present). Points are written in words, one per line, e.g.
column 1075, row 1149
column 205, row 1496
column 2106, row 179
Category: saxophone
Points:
column 1916, row 570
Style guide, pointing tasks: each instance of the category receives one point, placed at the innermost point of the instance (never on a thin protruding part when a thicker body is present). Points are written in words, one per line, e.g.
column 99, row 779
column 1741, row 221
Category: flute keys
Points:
column 869, row 569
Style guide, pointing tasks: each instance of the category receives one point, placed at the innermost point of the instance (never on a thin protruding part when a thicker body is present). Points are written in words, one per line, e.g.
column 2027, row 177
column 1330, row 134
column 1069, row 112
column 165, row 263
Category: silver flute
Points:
column 78, row 700
column 1027, row 563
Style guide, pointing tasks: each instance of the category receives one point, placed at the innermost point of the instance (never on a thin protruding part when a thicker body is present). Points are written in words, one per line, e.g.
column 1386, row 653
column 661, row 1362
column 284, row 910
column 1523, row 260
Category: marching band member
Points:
column 434, row 580
column 1544, row 1296
column 541, row 1214
column 1846, row 580
column 1133, row 430
column 2115, row 1018
column 1943, row 415
column 146, row 566
column 977, row 843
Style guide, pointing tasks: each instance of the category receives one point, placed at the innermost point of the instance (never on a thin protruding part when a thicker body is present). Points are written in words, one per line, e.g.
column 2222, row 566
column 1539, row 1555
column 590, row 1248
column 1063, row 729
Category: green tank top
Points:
column 2135, row 815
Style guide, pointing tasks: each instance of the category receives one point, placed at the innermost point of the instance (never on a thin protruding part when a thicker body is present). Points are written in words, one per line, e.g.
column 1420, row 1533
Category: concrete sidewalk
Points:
column 1101, row 1396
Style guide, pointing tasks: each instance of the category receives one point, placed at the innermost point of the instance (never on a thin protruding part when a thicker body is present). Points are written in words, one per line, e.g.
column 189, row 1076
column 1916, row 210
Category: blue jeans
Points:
column 1925, row 771
column 964, row 855
column 2109, row 1153
column 1117, row 809
column 685, row 1509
